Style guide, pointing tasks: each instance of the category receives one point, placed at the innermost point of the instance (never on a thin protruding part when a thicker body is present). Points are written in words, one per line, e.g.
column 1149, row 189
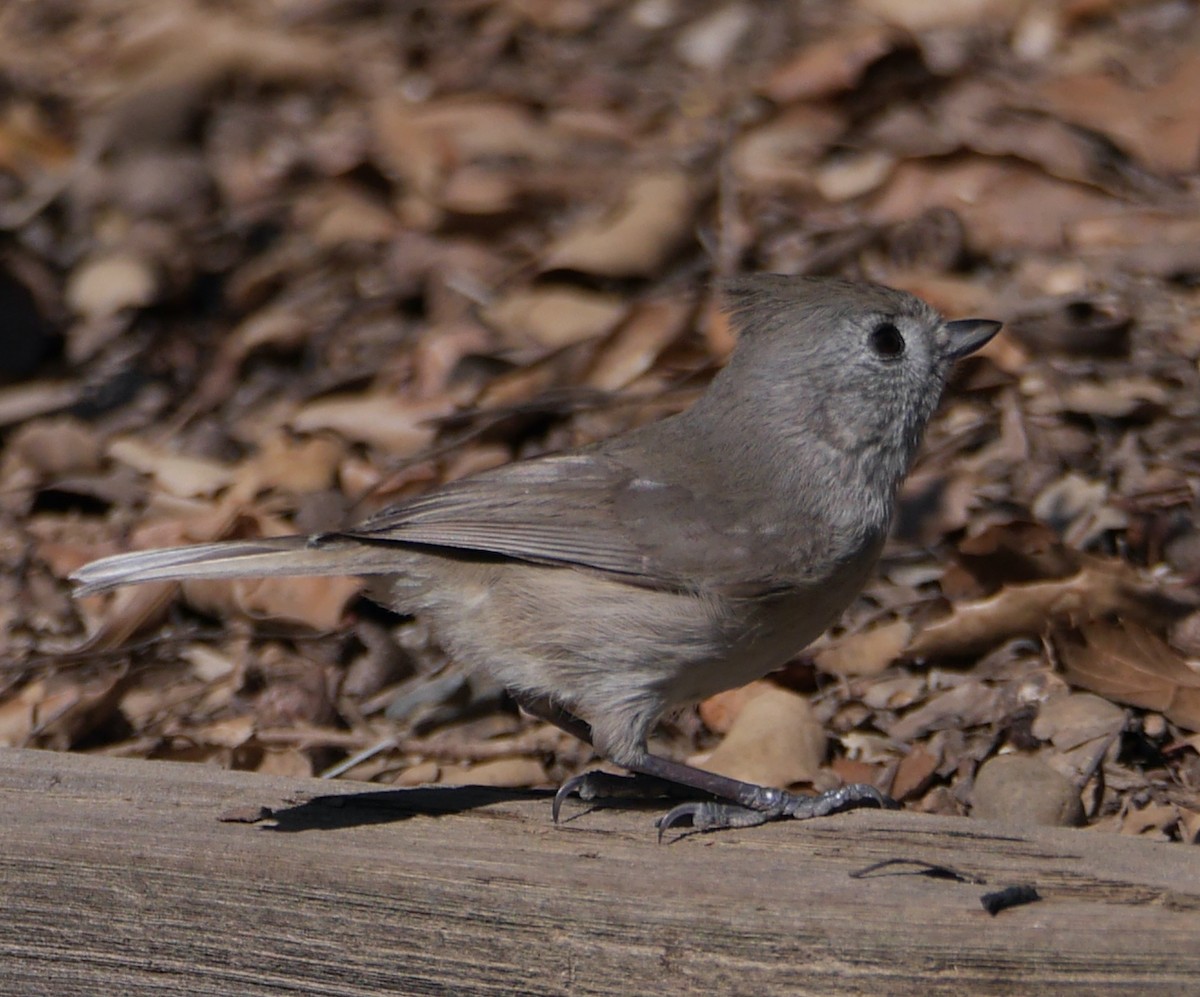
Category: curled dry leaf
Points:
column 915, row 771
column 719, row 712
column 1099, row 588
column 1118, row 106
column 57, row 446
column 776, row 740
column 313, row 602
column 970, row 704
column 781, row 153
column 867, row 652
column 829, row 66
column 1004, row 206
column 291, row 465
column 554, row 316
column 848, row 176
column 1076, row 718
column 178, row 474
column 105, row 285
column 931, row 15
column 1144, row 240
column 424, row 143
column 709, row 42
column 1116, row 398
column 20, row 402
column 503, row 772
column 125, row 613
column 291, row 763
column 1076, row 326
column 1017, row 551
column 1126, row 663
column 399, row 425
column 637, row 343
column 635, row 239
column 69, row 709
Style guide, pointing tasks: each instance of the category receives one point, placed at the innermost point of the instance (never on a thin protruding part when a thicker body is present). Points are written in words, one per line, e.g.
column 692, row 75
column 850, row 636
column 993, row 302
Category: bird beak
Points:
column 966, row 335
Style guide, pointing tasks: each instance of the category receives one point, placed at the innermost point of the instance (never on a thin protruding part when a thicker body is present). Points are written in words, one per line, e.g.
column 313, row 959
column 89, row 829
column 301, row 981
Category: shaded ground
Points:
column 270, row 266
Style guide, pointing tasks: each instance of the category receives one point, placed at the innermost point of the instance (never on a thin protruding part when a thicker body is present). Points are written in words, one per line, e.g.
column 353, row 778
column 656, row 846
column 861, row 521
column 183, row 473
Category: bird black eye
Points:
column 886, row 341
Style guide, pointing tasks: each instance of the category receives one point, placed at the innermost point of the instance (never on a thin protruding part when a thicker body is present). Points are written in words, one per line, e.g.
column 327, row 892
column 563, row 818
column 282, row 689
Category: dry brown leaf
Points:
column 781, row 153
column 636, row 238
column 114, row 619
column 231, row 732
column 1004, row 206
column 291, row 763
column 1128, row 664
column 72, row 707
column 895, row 693
column 178, row 474
column 336, row 216
column 1099, row 588
column 554, row 316
column 776, row 740
column 868, row 652
column 515, row 773
column 19, row 402
column 283, row 325
column 914, row 773
column 291, row 465
column 719, row 712
column 1017, row 551
column 1189, row 826
column 1076, row 718
column 929, row 15
column 829, row 66
column 850, row 771
column 1144, row 240
column 709, row 42
column 851, row 175
column 990, row 121
column 56, row 446
column 970, row 704
column 18, row 714
column 423, row 143
column 1078, row 324
column 1159, row 124
column 637, row 343
column 399, row 425
column 101, row 287
column 1157, row 817
column 1116, row 398
column 319, row 603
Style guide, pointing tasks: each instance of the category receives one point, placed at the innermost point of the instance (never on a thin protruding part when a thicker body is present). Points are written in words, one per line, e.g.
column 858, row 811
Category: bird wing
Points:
column 586, row 510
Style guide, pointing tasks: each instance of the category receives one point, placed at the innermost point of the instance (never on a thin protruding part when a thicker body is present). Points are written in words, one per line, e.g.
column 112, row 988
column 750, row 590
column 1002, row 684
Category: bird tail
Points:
column 292, row 555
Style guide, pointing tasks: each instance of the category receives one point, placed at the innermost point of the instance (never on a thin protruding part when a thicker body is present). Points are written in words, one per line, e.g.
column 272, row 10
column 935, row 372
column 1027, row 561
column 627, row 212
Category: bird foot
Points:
column 716, row 816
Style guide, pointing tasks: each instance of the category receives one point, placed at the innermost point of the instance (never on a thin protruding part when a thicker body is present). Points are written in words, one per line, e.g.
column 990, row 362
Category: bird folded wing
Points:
column 583, row 510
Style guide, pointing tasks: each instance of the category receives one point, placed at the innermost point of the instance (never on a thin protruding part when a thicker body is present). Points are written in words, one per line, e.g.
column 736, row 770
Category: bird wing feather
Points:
column 584, row 510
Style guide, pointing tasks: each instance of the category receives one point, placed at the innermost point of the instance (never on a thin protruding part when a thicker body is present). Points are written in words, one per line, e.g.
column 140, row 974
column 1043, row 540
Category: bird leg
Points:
column 737, row 803
column 597, row 784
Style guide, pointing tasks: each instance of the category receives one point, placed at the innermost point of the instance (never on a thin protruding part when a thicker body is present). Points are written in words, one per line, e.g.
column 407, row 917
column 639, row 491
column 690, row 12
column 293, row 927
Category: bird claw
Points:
column 709, row 816
column 714, row 816
column 601, row 785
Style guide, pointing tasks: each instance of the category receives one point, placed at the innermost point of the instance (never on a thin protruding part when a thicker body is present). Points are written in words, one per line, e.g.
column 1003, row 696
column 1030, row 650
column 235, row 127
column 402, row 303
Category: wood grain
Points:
column 120, row 877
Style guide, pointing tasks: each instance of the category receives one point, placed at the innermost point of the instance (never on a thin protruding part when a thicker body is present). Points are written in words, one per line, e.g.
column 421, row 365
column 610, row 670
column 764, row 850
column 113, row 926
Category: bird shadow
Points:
column 343, row 810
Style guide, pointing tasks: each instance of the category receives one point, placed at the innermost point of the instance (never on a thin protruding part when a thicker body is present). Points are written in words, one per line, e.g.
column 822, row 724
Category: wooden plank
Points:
column 119, row 877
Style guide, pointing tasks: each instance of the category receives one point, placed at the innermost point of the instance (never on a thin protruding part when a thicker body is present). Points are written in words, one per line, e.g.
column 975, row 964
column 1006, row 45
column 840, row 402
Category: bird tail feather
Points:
column 291, row 555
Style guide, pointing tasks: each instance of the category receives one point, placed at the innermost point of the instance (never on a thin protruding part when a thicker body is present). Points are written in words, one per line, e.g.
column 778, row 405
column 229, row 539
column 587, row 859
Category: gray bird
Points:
column 608, row 585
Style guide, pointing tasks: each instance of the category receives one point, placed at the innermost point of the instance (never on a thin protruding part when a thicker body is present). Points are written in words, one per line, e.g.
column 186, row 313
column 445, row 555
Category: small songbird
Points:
column 607, row 585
